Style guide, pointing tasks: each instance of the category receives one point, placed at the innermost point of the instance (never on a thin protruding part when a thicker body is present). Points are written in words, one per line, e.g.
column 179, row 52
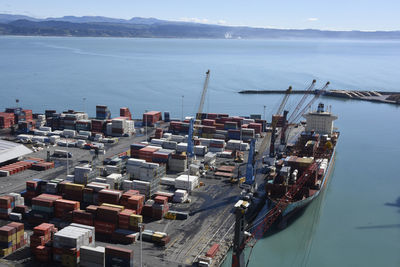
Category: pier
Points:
column 371, row 96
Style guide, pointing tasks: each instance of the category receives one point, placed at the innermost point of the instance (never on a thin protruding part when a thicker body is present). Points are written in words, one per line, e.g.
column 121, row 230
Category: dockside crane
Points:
column 297, row 108
column 203, row 96
column 275, row 119
column 193, row 130
column 193, row 122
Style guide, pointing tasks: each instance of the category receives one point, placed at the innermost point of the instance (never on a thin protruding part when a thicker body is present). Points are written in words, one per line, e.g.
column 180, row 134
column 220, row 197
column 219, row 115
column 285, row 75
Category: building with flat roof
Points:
column 10, row 151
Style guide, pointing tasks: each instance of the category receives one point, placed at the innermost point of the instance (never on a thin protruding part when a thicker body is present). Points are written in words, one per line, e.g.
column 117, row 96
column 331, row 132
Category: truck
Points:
column 62, row 154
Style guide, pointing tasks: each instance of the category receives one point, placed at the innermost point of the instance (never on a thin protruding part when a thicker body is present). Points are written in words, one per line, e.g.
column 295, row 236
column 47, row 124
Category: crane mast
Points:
column 275, row 121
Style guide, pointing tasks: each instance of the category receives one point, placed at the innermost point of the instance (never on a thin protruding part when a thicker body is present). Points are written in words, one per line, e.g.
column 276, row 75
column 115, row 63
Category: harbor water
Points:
column 355, row 222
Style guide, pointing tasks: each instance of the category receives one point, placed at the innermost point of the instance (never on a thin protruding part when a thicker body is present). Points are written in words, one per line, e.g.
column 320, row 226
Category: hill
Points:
column 96, row 26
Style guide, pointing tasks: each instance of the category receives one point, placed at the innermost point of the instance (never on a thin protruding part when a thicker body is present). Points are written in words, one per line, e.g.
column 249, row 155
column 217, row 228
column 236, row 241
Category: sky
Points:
column 366, row 15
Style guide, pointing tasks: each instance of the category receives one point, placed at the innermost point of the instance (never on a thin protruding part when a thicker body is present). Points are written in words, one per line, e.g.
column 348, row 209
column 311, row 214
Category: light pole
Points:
column 67, row 157
column 264, row 111
column 182, row 108
column 141, row 244
column 84, row 104
column 146, row 124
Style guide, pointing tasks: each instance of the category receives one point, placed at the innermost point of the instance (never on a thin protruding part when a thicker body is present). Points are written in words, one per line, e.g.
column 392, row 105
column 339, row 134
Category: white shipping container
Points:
column 200, row 150
column 187, row 182
column 177, row 138
column 45, row 129
column 69, row 133
column 181, row 147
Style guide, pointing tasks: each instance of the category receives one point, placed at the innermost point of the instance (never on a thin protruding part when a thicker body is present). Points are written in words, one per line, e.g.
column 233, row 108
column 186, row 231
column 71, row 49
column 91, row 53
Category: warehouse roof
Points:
column 10, row 150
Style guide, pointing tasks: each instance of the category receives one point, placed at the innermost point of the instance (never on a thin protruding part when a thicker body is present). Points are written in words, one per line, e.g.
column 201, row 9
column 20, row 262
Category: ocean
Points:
column 355, row 222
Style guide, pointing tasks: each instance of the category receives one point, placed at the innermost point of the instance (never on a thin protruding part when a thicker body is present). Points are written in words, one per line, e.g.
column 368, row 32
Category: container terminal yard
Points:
column 188, row 230
column 103, row 191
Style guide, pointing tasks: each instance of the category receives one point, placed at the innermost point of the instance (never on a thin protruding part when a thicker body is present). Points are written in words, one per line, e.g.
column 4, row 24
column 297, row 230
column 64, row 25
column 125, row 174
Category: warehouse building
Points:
column 10, row 152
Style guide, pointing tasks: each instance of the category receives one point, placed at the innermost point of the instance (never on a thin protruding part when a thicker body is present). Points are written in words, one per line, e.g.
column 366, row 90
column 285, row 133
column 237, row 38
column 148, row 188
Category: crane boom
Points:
column 285, row 99
column 301, row 102
column 299, row 105
column 203, row 95
column 316, row 96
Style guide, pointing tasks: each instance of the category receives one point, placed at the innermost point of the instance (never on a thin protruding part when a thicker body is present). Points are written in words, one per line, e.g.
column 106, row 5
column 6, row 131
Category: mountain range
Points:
column 97, row 26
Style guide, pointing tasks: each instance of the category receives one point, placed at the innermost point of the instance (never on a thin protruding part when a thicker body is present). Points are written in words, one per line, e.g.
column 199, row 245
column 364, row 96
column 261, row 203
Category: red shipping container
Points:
column 109, row 196
column 213, row 251
column 119, row 252
column 104, row 227
column 161, row 200
column 108, row 214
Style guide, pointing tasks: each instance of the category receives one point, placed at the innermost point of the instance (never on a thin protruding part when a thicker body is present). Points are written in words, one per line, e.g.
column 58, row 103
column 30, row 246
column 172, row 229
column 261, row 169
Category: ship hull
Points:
column 294, row 208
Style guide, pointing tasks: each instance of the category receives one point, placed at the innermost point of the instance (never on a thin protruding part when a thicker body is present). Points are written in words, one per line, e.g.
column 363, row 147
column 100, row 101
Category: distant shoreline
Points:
column 69, row 26
column 396, row 40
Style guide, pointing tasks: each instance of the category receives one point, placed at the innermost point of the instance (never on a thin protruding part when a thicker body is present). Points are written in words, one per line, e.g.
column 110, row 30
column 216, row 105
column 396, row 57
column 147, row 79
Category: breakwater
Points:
column 372, row 96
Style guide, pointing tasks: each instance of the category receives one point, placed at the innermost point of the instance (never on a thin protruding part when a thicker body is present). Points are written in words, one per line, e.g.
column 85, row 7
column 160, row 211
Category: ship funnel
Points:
column 320, row 107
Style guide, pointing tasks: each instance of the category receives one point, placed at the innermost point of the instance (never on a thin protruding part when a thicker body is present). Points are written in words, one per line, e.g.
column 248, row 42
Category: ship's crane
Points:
column 295, row 116
column 275, row 121
column 284, row 101
column 302, row 100
column 243, row 238
column 297, row 108
column 306, row 107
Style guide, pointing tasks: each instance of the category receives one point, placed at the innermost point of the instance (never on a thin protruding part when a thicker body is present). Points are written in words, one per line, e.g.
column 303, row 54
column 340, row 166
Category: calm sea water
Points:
column 356, row 222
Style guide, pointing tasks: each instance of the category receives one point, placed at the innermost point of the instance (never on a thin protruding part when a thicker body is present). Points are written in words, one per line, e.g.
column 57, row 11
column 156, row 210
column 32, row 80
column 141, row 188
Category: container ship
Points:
column 304, row 169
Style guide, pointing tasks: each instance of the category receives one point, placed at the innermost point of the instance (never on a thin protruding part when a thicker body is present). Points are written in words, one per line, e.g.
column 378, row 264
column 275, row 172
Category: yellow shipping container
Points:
column 157, row 237
column 75, row 187
column 113, row 206
column 5, row 252
column 170, row 216
column 20, row 234
column 6, row 238
column 135, row 219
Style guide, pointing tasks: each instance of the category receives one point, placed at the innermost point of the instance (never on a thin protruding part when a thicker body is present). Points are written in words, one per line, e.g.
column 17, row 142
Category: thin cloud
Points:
column 196, row 20
column 312, row 19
